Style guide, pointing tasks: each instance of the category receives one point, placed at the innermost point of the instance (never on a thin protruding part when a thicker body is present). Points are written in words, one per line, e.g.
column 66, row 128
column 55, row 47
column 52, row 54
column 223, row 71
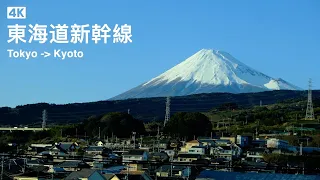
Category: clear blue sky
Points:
column 278, row 38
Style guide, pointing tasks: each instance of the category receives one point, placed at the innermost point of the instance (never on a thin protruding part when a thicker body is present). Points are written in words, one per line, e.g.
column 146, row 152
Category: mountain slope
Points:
column 207, row 71
column 146, row 109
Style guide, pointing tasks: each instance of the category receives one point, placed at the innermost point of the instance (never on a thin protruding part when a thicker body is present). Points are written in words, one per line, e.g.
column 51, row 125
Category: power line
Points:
column 309, row 111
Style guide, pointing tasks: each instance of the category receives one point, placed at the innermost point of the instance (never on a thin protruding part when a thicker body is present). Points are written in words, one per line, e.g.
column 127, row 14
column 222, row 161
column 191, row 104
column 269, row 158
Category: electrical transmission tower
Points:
column 167, row 116
column 44, row 118
column 309, row 111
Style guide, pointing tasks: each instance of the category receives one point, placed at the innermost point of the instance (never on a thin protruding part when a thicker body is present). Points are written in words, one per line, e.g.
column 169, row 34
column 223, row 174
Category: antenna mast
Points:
column 44, row 118
column 167, row 116
column 309, row 111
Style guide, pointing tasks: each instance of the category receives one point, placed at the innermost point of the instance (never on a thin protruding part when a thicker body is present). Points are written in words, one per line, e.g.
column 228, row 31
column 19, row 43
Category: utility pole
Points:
column 158, row 139
column 134, row 139
column 301, row 149
column 99, row 133
column 141, row 137
column 2, row 166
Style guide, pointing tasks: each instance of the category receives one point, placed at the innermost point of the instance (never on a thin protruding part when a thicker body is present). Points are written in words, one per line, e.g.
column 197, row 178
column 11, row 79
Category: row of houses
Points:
column 170, row 159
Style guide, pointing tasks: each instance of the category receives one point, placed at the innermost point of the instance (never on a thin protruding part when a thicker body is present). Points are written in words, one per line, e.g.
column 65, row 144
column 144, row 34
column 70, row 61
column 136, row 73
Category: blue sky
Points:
column 278, row 38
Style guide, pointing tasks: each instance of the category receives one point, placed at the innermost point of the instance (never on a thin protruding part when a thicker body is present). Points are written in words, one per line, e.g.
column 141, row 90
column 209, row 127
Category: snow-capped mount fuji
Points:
column 207, row 71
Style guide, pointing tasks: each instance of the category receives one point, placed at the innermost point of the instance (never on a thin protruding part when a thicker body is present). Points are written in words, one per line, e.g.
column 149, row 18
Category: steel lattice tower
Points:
column 167, row 116
column 44, row 118
column 309, row 111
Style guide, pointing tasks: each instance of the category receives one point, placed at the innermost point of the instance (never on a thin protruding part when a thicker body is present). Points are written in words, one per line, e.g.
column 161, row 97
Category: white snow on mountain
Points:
column 207, row 71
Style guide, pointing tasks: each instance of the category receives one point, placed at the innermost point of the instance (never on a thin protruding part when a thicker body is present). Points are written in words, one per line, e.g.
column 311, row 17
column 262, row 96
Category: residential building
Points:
column 130, row 176
column 72, row 165
column 259, row 143
column 85, row 174
column 171, row 153
column 230, row 139
column 197, row 150
column 277, row 143
column 228, row 152
column 99, row 143
column 188, row 157
column 94, row 150
column 256, row 154
column 159, row 157
column 222, row 142
column 135, row 155
column 207, row 142
column 173, row 171
column 164, row 143
column 65, row 147
column 189, row 144
column 243, row 141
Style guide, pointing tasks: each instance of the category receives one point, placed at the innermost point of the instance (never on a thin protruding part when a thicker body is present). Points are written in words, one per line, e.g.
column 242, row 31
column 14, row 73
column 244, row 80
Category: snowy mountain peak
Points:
column 207, row 71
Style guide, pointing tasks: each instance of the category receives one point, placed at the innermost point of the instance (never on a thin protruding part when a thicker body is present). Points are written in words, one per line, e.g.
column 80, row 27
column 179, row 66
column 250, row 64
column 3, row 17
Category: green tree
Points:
column 118, row 123
column 189, row 124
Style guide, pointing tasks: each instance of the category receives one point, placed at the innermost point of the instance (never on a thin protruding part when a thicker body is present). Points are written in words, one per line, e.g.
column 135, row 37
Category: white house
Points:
column 99, row 143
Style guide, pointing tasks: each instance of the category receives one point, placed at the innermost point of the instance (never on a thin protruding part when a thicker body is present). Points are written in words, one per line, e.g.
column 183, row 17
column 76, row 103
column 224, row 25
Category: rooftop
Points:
column 189, row 155
column 95, row 148
column 237, row 175
column 193, row 141
column 135, row 152
column 84, row 173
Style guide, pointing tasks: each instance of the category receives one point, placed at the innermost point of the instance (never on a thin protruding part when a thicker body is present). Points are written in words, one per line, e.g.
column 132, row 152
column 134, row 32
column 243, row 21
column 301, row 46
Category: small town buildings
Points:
column 159, row 157
column 99, row 143
column 65, row 147
column 94, row 150
column 85, row 174
column 256, row 154
column 164, row 144
column 197, row 150
column 230, row 139
column 172, row 171
column 277, row 143
column 207, row 142
column 170, row 153
column 72, row 165
column 188, row 145
column 188, row 157
column 135, row 155
column 228, row 151
column 222, row 142
column 259, row 143
column 243, row 141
